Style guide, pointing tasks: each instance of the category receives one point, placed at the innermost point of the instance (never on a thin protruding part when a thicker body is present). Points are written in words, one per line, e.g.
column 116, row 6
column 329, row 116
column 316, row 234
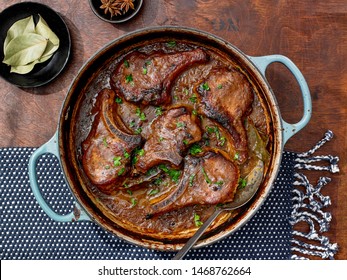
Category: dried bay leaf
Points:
column 50, row 49
column 26, row 44
column 20, row 27
column 24, row 49
column 23, row 69
column 43, row 29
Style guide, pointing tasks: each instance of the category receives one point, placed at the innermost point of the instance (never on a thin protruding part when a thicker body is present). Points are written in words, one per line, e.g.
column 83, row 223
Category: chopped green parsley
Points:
column 158, row 111
column 126, row 63
column 173, row 173
column 116, row 161
column 205, row 86
column 195, row 149
column 121, row 171
column 133, row 201
column 126, row 154
column 193, row 98
column 197, row 220
column 141, row 115
column 153, row 192
column 104, row 140
column 180, row 124
column 242, row 183
column 118, row 100
column 129, row 78
column 207, row 179
column 191, row 180
column 138, row 130
column 171, row 44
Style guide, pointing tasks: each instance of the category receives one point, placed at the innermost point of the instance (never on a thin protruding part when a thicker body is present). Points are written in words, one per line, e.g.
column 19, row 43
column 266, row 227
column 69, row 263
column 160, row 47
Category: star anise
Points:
column 125, row 5
column 111, row 7
column 117, row 7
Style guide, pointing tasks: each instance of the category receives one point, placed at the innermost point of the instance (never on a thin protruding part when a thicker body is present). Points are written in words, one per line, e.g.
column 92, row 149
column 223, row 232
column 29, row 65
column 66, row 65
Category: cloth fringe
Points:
column 308, row 205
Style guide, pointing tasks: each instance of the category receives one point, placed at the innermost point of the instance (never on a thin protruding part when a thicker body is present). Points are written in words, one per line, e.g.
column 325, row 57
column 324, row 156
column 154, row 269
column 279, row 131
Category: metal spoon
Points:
column 242, row 196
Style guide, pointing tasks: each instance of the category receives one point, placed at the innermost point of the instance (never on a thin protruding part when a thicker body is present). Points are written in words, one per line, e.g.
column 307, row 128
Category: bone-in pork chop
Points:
column 147, row 78
column 226, row 96
column 210, row 179
column 107, row 149
column 171, row 134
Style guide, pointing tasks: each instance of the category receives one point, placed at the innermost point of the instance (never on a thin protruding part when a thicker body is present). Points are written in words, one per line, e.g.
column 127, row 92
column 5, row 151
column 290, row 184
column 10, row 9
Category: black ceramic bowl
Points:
column 95, row 6
column 42, row 72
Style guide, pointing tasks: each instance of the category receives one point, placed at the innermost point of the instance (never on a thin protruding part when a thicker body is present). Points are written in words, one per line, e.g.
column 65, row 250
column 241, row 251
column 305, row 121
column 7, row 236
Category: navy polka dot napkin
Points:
column 28, row 233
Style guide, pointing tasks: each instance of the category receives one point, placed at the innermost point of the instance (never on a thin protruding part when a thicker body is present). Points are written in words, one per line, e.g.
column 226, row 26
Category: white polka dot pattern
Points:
column 28, row 233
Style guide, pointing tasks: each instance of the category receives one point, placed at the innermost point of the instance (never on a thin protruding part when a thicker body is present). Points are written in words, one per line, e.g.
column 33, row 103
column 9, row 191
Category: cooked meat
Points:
column 210, row 179
column 177, row 128
column 171, row 134
column 106, row 151
column 226, row 96
column 147, row 78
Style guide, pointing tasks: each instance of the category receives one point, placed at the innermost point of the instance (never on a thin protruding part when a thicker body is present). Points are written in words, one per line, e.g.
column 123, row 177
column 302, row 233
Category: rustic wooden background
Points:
column 312, row 33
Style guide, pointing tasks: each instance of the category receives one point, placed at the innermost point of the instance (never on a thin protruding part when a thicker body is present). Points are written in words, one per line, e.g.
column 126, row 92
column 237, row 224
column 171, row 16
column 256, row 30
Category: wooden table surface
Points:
column 313, row 34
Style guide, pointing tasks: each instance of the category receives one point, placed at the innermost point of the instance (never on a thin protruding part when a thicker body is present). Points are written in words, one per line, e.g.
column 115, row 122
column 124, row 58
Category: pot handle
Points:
column 78, row 214
column 262, row 62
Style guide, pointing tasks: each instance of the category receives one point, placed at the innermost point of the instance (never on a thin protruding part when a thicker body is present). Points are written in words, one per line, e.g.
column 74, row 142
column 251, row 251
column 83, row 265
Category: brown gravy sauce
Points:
column 127, row 207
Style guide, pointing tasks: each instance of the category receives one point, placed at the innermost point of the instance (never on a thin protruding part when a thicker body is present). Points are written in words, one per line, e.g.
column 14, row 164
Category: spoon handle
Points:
column 181, row 253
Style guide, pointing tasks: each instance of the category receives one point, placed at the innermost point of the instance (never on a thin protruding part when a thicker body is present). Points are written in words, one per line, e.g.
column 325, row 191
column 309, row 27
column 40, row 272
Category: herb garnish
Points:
column 140, row 152
column 191, row 180
column 205, row 86
column 132, row 123
column 197, row 220
column 219, row 183
column 158, row 111
column 126, row 154
column 236, row 156
column 130, row 192
column 138, row 130
column 126, row 63
column 121, row 171
column 116, row 161
column 119, row 100
column 180, row 124
column 137, row 152
column 153, row 192
column 104, row 141
column 140, row 114
column 193, row 98
column 133, row 201
column 195, row 149
column 221, row 139
column 157, row 181
column 129, row 78
column 173, row 173
column 171, row 44
column 242, row 183
column 207, row 179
